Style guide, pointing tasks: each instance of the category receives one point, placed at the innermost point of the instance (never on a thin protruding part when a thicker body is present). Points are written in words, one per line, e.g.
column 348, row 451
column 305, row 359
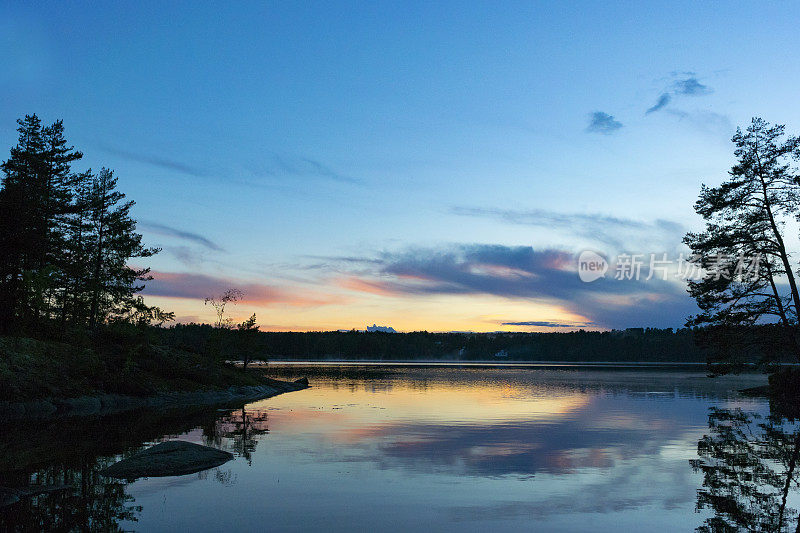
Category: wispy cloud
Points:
column 600, row 122
column 196, row 238
column 200, row 286
column 691, row 87
column 155, row 160
column 616, row 232
column 663, row 100
column 301, row 167
column 277, row 166
column 377, row 287
column 186, row 255
column 545, row 324
column 686, row 84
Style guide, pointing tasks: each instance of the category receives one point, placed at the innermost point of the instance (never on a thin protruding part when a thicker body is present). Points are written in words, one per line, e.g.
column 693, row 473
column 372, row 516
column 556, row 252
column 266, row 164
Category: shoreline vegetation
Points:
column 42, row 379
column 76, row 337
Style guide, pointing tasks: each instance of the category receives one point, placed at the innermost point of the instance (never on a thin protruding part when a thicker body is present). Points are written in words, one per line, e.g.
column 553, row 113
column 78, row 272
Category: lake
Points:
column 412, row 447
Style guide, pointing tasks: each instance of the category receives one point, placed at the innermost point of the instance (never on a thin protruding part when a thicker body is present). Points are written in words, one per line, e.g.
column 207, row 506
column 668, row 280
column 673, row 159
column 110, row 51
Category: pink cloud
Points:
column 200, row 286
column 354, row 283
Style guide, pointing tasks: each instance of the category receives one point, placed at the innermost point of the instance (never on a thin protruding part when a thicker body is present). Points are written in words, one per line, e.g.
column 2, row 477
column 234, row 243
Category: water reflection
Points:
column 749, row 465
column 443, row 449
column 597, row 434
column 69, row 454
column 237, row 431
column 95, row 504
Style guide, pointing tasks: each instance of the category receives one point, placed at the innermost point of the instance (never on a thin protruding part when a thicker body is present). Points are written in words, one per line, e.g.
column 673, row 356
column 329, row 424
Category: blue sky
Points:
column 405, row 163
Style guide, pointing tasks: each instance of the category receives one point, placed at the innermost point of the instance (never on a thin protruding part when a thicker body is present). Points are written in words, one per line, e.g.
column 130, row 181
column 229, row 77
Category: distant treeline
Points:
column 660, row 345
column 633, row 344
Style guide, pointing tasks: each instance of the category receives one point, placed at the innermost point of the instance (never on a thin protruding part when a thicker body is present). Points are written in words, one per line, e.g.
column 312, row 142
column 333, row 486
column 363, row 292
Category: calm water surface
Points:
column 382, row 448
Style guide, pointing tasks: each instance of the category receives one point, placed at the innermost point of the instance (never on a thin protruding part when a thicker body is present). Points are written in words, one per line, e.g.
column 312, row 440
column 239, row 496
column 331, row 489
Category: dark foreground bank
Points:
column 41, row 379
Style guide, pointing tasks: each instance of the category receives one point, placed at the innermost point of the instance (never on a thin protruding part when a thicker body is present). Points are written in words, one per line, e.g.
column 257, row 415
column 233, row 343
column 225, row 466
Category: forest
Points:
column 66, row 242
column 634, row 344
column 72, row 321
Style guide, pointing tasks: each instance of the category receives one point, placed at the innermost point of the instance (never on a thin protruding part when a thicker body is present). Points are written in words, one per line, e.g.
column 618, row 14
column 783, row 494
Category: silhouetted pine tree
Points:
column 751, row 278
column 112, row 282
column 22, row 230
column 58, row 210
column 77, row 251
column 65, row 240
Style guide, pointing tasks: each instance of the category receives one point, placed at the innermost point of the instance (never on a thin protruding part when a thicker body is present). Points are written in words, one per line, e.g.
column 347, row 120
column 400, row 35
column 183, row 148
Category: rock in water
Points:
column 171, row 458
column 302, row 381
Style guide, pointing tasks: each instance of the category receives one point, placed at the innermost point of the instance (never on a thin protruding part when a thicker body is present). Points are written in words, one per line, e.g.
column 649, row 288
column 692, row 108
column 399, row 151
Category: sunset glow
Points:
column 344, row 169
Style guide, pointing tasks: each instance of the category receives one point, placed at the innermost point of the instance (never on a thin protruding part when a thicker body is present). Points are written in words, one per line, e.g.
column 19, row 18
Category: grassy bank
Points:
column 33, row 369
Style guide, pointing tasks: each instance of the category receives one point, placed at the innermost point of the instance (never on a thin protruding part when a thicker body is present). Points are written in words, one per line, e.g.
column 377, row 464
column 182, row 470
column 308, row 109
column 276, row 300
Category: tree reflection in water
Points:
column 240, row 429
column 749, row 471
column 72, row 452
column 95, row 503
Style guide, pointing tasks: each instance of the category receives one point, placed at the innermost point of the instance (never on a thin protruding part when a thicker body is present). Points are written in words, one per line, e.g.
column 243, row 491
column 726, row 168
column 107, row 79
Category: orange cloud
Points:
column 372, row 287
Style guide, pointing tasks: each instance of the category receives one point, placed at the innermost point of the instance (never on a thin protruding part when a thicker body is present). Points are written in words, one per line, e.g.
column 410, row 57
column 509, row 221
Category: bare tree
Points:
column 219, row 303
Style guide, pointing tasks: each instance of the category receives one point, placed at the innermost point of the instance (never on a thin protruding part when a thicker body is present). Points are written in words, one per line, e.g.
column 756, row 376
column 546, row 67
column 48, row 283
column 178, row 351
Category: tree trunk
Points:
column 784, row 259
column 789, row 475
column 98, row 261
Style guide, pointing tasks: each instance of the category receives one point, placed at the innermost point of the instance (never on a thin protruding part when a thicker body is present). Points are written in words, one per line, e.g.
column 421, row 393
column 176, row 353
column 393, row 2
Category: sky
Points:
column 430, row 166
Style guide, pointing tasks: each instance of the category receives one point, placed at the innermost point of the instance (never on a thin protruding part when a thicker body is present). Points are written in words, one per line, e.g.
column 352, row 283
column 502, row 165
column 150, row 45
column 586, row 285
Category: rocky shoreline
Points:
column 103, row 404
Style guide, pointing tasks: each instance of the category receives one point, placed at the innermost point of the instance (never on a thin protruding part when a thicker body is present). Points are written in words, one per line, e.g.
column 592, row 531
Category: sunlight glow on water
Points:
column 455, row 449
